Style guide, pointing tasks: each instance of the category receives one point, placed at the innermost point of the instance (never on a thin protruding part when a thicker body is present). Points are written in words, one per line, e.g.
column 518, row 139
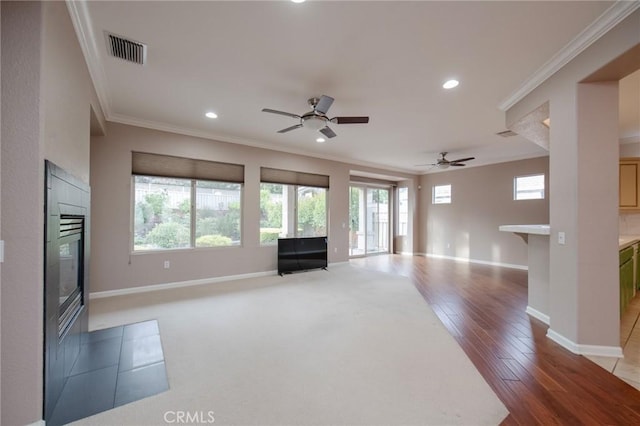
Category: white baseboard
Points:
column 597, row 350
column 480, row 262
column 538, row 315
column 38, row 423
column 179, row 284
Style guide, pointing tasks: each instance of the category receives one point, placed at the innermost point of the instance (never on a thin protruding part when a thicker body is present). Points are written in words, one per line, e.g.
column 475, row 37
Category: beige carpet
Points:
column 345, row 346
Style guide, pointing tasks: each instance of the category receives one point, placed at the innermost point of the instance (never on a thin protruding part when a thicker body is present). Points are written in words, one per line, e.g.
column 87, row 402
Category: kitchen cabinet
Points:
column 629, row 184
column 626, row 277
column 636, row 285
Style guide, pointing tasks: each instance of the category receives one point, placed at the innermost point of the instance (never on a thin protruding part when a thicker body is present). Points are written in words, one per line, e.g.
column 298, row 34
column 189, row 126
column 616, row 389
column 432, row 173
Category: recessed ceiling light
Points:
column 298, row 1
column 320, row 140
column 211, row 114
column 450, row 84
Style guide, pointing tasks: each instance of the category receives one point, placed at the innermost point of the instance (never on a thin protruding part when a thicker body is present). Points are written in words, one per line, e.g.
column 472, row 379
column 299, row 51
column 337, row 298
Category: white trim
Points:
column 538, row 315
column 84, row 30
column 170, row 128
column 179, row 284
column 480, row 262
column 597, row 350
column 38, row 423
column 605, row 22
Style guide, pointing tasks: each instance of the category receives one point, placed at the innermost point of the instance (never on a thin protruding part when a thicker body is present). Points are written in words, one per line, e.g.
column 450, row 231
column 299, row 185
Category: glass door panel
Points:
column 368, row 220
column 377, row 220
column 356, row 221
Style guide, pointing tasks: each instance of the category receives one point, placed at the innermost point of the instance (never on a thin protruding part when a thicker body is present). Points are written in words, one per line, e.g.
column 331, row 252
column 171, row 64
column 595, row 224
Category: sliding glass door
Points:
column 369, row 215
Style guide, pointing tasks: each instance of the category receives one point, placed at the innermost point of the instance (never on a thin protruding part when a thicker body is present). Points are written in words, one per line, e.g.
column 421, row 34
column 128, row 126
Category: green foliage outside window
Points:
column 312, row 214
column 163, row 214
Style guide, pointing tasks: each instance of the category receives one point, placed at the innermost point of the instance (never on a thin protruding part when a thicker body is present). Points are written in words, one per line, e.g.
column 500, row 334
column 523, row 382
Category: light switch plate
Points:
column 1, row 251
column 561, row 238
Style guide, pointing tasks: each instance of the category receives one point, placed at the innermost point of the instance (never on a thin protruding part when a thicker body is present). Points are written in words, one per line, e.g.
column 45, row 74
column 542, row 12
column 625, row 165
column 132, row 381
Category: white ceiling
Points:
column 386, row 60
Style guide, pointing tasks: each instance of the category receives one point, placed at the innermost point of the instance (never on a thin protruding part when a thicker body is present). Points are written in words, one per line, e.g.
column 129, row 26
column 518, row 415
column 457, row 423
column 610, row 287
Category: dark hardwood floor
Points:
column 538, row 381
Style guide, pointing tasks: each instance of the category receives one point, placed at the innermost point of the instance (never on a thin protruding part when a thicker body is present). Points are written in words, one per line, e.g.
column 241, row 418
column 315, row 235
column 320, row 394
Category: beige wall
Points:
column 113, row 266
column 584, row 191
column 482, row 200
column 22, row 218
column 46, row 99
column 67, row 94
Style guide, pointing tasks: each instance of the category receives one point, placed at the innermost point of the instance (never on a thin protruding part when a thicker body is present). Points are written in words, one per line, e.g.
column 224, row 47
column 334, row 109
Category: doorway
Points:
column 369, row 219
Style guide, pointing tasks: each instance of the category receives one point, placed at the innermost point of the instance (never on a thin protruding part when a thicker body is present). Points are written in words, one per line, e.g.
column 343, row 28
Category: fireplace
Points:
column 71, row 274
column 66, row 278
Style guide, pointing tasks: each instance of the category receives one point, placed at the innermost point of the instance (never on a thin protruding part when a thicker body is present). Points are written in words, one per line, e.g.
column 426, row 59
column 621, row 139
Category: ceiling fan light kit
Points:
column 317, row 119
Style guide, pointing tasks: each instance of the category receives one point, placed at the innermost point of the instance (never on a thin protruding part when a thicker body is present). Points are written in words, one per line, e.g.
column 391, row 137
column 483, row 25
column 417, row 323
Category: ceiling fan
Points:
column 317, row 119
column 443, row 163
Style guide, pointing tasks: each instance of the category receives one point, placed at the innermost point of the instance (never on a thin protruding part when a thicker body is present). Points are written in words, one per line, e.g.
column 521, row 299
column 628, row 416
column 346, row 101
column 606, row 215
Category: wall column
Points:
column 22, row 177
column 584, row 279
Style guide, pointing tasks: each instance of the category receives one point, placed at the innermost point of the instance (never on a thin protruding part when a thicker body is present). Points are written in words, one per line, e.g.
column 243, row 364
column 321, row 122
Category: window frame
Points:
column 433, row 194
column 401, row 213
column 293, row 213
column 192, row 216
column 544, row 186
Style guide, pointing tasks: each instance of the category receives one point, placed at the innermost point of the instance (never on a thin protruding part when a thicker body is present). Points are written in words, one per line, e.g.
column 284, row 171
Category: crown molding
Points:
column 84, row 30
column 605, row 22
column 163, row 127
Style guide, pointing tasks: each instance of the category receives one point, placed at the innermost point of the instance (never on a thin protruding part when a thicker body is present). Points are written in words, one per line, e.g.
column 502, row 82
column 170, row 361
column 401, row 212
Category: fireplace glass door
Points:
column 70, row 270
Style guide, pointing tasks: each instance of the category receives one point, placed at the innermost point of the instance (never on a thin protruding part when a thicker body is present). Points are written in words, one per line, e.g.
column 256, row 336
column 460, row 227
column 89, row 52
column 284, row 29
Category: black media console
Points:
column 301, row 254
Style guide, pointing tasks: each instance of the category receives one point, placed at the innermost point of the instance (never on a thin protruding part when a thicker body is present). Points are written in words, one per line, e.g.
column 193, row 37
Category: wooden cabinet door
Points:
column 629, row 185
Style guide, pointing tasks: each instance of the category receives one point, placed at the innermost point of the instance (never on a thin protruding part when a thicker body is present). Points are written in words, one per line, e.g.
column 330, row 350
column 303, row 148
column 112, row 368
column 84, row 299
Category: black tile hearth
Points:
column 85, row 395
column 96, row 355
column 140, row 383
column 115, row 366
column 141, row 329
column 140, row 352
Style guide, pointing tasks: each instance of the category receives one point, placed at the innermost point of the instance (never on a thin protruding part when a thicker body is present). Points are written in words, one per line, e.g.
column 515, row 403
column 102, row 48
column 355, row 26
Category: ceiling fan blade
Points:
column 423, row 165
column 461, row 160
column 457, row 164
column 328, row 132
column 288, row 129
column 324, row 104
column 274, row 111
column 350, row 120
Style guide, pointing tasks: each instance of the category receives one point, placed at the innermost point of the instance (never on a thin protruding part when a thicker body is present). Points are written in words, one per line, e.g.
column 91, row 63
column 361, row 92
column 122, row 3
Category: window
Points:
column 291, row 211
column 441, row 194
column 528, row 187
column 185, row 203
column 292, row 204
column 182, row 213
column 403, row 210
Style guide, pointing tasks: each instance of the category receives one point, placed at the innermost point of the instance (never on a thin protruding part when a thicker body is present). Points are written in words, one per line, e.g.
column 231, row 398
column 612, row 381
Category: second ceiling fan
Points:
column 443, row 163
column 317, row 119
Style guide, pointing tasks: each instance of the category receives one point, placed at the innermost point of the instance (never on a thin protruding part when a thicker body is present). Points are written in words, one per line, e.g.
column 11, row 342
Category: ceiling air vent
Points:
column 128, row 50
column 506, row 133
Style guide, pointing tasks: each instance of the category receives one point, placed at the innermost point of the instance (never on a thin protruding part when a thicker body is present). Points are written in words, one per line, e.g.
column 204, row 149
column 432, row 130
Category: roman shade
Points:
column 289, row 177
column 178, row 167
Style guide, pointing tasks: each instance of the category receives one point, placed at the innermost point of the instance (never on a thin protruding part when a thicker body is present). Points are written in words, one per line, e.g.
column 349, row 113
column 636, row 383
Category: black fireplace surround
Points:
column 66, row 278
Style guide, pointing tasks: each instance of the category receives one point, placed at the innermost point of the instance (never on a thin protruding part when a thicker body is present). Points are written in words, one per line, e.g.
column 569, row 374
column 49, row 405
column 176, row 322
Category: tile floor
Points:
column 627, row 368
column 115, row 366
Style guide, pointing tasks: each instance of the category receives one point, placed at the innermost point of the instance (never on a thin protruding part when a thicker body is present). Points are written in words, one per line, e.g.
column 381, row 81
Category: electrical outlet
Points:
column 167, row 264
